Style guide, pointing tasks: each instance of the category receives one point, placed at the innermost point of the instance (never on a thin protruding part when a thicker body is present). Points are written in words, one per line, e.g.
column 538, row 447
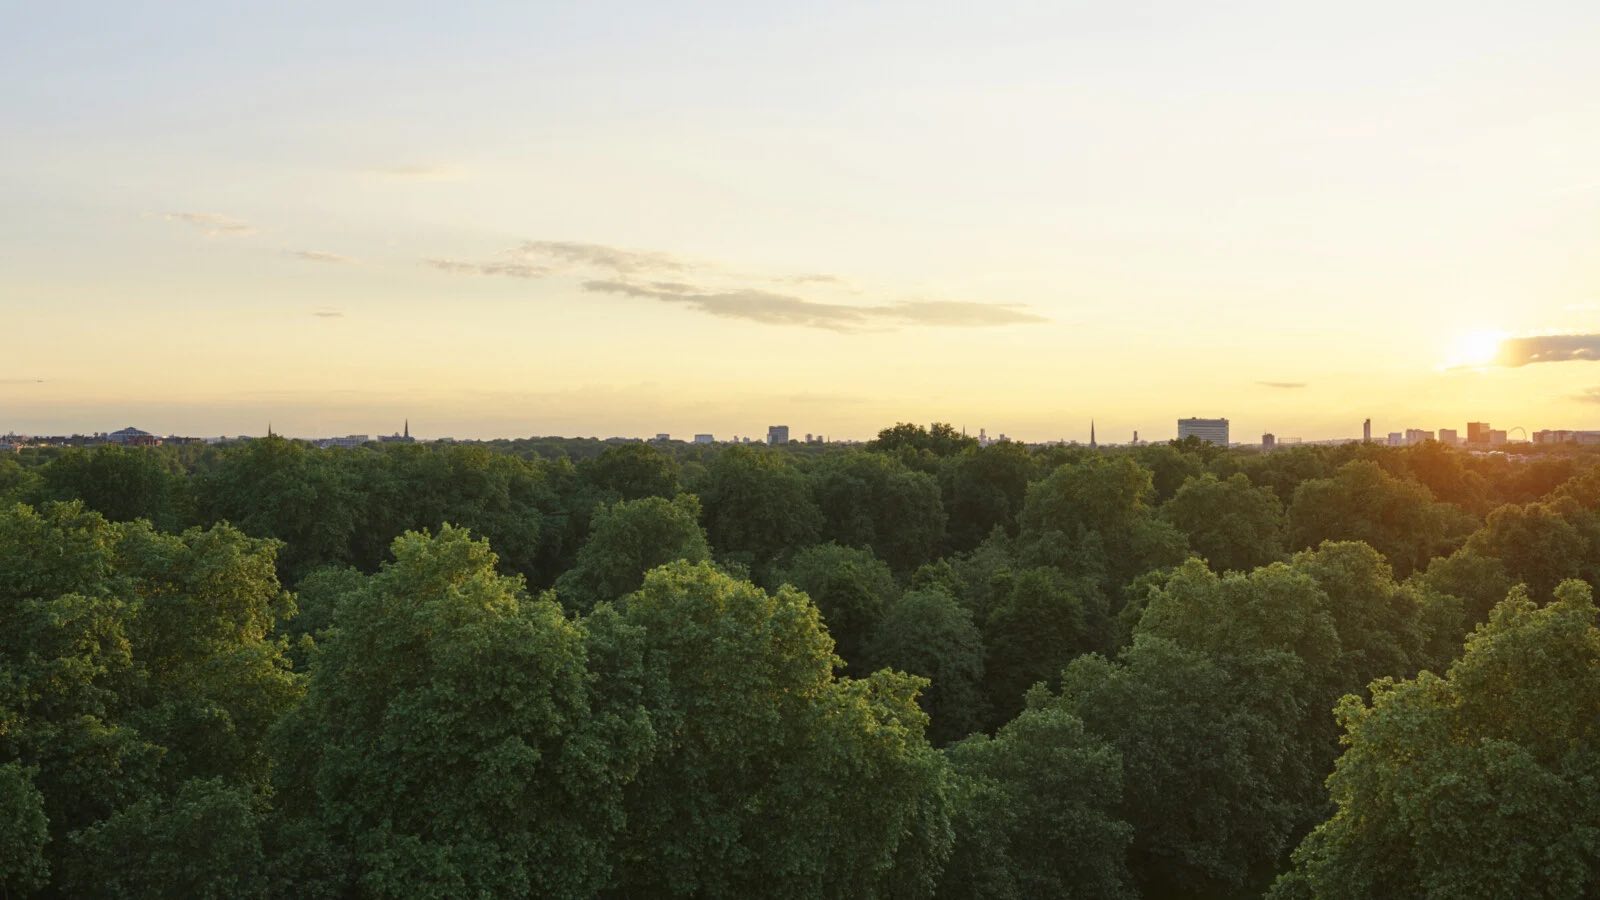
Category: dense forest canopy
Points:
column 919, row 667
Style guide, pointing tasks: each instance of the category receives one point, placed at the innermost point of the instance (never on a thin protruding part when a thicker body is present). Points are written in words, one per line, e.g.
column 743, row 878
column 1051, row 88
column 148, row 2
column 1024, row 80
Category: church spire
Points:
column 408, row 428
column 1092, row 444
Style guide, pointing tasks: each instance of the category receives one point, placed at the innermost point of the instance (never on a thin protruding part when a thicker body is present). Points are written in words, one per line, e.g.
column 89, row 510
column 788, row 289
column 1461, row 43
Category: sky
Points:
column 630, row 218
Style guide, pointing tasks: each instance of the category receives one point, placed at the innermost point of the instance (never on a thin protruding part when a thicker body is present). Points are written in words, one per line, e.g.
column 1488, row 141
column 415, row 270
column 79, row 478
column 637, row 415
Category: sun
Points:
column 1476, row 349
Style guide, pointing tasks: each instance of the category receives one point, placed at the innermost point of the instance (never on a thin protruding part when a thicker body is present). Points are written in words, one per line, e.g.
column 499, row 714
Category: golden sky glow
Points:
column 623, row 219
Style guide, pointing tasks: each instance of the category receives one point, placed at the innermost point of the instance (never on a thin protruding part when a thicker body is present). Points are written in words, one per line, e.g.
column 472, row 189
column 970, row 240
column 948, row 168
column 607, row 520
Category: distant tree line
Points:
column 914, row 668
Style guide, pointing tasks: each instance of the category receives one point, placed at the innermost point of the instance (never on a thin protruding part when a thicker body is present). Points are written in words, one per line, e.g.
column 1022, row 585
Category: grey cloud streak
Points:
column 665, row 278
column 1523, row 351
column 510, row 269
column 600, row 256
column 783, row 309
column 1283, row 385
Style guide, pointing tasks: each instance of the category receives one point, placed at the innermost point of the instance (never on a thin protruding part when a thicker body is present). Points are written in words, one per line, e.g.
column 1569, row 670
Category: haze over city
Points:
column 631, row 219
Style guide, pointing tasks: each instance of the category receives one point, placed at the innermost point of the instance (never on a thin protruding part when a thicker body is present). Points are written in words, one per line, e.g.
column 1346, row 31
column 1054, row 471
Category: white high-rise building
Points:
column 1212, row 430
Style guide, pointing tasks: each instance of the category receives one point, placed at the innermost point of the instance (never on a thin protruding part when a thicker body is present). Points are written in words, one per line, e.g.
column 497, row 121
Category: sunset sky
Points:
column 629, row 218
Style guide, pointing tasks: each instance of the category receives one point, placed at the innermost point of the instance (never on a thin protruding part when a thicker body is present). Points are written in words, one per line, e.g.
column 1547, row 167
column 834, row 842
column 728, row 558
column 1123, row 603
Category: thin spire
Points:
column 408, row 427
column 1092, row 444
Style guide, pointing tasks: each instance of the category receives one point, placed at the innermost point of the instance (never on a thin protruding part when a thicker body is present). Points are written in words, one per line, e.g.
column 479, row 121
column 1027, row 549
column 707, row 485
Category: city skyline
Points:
column 531, row 220
column 1408, row 435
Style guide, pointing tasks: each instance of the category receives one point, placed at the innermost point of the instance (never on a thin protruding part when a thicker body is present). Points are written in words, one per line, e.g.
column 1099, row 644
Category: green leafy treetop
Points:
column 1482, row 784
column 771, row 777
column 453, row 742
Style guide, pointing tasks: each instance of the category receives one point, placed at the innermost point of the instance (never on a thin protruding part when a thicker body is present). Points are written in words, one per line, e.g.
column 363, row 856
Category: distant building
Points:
column 1497, row 438
column 1566, row 437
column 348, row 442
column 133, row 437
column 1269, row 441
column 704, row 439
column 777, row 434
column 1449, row 437
column 1396, row 439
column 1477, row 432
column 662, row 437
column 403, row 437
column 1366, row 432
column 1213, row 430
column 1417, row 436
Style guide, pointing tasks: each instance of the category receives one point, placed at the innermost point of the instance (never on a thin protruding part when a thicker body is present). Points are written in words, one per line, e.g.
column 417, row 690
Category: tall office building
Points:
column 1212, row 430
column 1417, row 436
column 1268, row 441
column 1366, row 432
column 1449, row 437
column 777, row 434
column 1477, row 432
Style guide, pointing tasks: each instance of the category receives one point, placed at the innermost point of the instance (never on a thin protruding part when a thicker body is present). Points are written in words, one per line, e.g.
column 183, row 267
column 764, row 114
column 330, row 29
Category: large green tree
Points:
column 1396, row 516
column 757, row 506
column 633, row 471
column 1484, row 783
column 850, row 587
column 1232, row 524
column 1093, row 519
column 132, row 663
column 772, row 777
column 453, row 742
column 1037, row 813
column 872, row 500
column 928, row 633
column 626, row 540
column 984, row 489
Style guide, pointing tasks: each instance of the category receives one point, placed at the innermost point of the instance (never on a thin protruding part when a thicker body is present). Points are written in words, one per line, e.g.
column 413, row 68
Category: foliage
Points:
column 627, row 539
column 1093, row 519
column 851, row 589
column 1230, row 523
column 452, row 740
column 757, row 506
column 633, row 471
column 927, row 633
column 1480, row 784
column 1038, row 626
column 754, row 729
column 1361, row 502
column 984, row 488
column 1038, row 813
column 870, row 500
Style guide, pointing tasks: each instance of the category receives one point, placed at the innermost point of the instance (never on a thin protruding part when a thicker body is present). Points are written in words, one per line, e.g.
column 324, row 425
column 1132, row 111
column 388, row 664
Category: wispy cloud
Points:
column 1589, row 395
column 511, row 269
column 321, row 256
column 783, row 309
column 327, row 313
column 600, row 256
column 710, row 289
column 1523, row 351
column 1283, row 385
column 213, row 224
column 21, row 381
